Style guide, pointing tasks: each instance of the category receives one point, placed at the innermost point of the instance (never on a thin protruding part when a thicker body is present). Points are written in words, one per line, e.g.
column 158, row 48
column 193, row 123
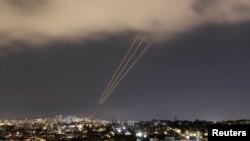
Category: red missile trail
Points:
column 123, row 69
column 118, row 69
column 125, row 73
column 92, row 115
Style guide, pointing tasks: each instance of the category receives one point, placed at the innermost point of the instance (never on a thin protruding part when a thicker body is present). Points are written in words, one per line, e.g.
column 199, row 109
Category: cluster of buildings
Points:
column 77, row 128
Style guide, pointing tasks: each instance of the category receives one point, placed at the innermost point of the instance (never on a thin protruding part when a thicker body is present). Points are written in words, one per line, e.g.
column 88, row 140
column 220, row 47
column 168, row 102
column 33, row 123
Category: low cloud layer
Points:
column 42, row 21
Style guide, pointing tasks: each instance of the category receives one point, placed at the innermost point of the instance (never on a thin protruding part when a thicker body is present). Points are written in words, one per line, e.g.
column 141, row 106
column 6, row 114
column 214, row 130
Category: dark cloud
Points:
column 200, row 6
column 242, row 8
column 43, row 21
column 26, row 6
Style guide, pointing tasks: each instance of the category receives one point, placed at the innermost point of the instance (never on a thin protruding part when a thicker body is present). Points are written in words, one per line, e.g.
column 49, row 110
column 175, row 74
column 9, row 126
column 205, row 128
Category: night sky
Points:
column 197, row 73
